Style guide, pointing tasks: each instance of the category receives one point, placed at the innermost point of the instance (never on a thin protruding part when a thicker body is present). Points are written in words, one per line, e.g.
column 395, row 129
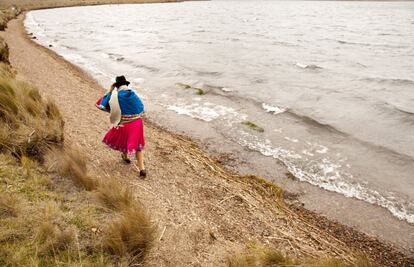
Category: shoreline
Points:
column 345, row 234
column 52, row 4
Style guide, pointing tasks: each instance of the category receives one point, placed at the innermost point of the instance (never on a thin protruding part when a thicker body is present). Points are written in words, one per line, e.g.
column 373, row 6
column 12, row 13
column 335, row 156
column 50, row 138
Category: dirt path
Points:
column 202, row 211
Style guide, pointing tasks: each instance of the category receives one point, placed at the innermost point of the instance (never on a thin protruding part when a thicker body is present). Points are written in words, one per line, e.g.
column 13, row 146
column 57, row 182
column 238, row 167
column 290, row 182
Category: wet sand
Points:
column 189, row 193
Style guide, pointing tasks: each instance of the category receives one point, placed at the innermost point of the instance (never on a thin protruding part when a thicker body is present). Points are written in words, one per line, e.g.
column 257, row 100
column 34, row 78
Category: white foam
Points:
column 139, row 81
column 306, row 66
column 273, row 108
column 202, row 111
column 291, row 139
column 227, row 90
column 308, row 153
column 322, row 150
column 300, row 65
column 325, row 174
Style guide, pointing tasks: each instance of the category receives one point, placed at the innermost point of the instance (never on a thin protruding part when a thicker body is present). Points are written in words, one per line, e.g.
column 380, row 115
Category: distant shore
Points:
column 44, row 4
column 165, row 146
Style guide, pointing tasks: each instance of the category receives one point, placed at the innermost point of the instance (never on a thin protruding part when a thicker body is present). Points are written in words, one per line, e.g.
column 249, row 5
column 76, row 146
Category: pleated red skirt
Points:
column 127, row 138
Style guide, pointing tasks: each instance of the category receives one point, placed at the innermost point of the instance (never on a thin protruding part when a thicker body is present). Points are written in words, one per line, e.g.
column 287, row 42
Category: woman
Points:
column 127, row 132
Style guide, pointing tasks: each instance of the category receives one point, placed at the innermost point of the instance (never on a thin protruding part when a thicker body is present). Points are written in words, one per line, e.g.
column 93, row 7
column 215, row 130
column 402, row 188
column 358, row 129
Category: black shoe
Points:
column 143, row 173
column 126, row 159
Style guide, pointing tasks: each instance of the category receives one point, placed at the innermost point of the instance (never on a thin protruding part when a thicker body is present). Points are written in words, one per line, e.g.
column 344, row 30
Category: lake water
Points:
column 330, row 85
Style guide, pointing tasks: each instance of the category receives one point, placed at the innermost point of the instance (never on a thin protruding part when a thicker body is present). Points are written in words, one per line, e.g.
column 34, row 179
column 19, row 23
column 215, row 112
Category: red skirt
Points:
column 127, row 138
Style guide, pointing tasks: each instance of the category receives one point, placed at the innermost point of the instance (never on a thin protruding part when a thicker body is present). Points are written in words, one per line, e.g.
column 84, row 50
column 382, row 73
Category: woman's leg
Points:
column 140, row 159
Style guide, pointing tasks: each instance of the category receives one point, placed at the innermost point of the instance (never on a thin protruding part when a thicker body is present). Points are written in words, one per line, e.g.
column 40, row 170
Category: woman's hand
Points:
column 111, row 88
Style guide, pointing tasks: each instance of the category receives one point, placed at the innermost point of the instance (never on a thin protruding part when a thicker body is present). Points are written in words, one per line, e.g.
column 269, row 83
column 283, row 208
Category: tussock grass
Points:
column 70, row 163
column 115, row 196
column 7, row 14
column 260, row 256
column 44, row 225
column 9, row 205
column 53, row 239
column 4, row 51
column 28, row 125
column 130, row 236
column 5, row 70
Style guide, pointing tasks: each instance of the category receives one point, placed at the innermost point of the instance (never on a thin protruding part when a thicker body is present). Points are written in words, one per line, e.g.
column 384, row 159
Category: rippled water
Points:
column 330, row 83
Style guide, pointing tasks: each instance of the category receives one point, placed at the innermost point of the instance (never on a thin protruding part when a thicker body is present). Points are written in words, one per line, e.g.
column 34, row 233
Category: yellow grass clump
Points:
column 9, row 205
column 4, row 51
column 7, row 14
column 70, row 163
column 115, row 196
column 28, row 125
column 43, row 222
column 53, row 239
column 130, row 236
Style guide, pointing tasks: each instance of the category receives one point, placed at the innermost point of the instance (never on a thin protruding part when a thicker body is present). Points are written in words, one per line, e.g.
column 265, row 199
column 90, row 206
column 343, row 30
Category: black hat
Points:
column 120, row 80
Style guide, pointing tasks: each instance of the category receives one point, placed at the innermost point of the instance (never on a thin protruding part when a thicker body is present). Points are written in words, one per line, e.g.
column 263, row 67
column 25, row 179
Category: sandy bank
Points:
column 188, row 193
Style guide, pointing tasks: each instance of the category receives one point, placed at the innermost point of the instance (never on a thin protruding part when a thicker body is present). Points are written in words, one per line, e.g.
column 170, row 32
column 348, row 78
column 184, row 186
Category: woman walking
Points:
column 127, row 132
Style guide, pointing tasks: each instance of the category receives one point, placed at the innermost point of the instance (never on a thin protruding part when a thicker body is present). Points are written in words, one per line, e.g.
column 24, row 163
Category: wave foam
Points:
column 325, row 174
column 202, row 111
column 307, row 66
column 273, row 109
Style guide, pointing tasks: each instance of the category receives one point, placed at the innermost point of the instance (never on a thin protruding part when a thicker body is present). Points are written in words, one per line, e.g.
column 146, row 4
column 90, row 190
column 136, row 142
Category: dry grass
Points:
column 44, row 224
column 260, row 256
column 257, row 256
column 115, row 196
column 4, row 52
column 130, row 236
column 9, row 205
column 70, row 163
column 27, row 125
column 7, row 14
column 53, row 239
